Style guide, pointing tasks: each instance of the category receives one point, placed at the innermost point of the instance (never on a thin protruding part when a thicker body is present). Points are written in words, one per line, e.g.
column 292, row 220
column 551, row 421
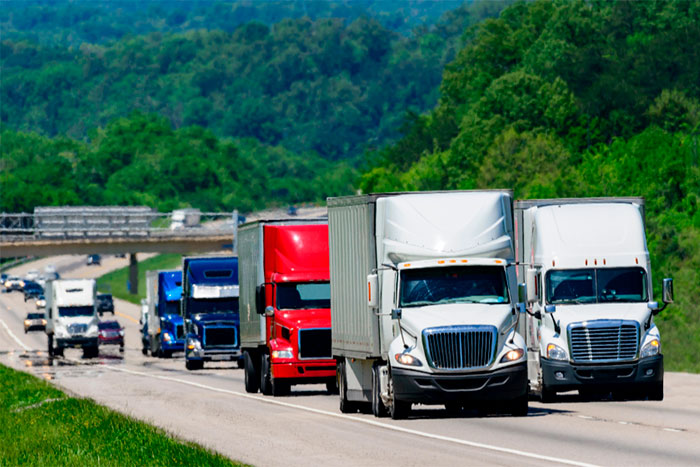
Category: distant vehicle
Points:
column 111, row 333
column 32, row 290
column 185, row 218
column 292, row 210
column 13, row 283
column 50, row 268
column 71, row 316
column 32, row 275
column 40, row 302
column 165, row 327
column 93, row 260
column 34, row 321
column 105, row 303
column 47, row 276
column 3, row 277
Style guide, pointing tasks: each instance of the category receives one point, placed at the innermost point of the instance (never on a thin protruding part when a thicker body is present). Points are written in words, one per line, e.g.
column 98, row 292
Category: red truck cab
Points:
column 285, row 305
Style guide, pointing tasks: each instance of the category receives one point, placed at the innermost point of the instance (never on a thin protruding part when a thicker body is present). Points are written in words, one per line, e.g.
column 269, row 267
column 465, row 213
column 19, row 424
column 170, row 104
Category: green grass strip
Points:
column 115, row 282
column 40, row 425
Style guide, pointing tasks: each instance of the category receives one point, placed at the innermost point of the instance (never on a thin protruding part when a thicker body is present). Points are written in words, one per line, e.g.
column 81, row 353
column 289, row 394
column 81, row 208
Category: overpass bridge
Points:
column 115, row 230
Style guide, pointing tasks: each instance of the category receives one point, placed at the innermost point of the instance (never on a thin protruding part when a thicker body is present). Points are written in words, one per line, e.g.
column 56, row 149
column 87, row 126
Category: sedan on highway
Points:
column 34, row 321
column 93, row 260
column 13, row 283
column 40, row 302
column 32, row 290
column 111, row 333
column 105, row 303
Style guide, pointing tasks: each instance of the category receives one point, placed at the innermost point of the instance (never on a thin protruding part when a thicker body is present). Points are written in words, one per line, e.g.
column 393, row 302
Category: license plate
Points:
column 220, row 357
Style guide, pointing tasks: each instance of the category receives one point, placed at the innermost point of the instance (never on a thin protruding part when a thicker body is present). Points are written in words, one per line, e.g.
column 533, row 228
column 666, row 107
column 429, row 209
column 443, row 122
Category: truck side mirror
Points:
column 668, row 290
column 396, row 313
column 522, row 292
column 531, row 283
column 269, row 311
column 372, row 289
column 260, row 299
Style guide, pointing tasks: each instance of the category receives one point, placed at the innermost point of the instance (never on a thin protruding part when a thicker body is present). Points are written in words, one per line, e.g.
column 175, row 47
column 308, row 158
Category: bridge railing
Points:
column 112, row 221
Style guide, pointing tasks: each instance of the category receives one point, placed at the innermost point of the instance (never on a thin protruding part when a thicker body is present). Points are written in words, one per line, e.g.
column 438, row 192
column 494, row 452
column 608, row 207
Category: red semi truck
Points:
column 285, row 305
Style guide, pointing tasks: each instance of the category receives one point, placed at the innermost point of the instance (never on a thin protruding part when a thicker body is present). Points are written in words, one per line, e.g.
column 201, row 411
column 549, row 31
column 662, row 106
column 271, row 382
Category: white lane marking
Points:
column 12, row 335
column 472, row 444
column 585, row 417
column 673, row 430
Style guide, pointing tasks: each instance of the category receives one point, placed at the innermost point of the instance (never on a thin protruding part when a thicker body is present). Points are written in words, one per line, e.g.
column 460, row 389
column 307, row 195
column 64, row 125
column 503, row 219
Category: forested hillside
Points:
column 328, row 85
column 142, row 160
column 577, row 99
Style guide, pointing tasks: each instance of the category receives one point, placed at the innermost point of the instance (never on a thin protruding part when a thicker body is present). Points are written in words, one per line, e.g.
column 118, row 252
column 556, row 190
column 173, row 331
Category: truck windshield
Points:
column 596, row 285
column 70, row 311
column 457, row 284
column 303, row 295
column 171, row 308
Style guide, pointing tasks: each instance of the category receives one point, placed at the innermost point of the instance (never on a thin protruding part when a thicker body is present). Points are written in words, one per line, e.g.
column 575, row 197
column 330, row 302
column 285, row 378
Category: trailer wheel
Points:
column 252, row 380
column 346, row 406
column 378, row 408
column 265, row 377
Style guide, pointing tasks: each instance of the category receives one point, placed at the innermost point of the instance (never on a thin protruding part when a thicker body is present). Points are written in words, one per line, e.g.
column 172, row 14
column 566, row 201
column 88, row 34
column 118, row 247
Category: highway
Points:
column 211, row 407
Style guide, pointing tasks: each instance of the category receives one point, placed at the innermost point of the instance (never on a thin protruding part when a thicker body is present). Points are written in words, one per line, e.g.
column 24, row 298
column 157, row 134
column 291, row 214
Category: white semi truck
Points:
column 71, row 316
column 590, row 322
column 423, row 302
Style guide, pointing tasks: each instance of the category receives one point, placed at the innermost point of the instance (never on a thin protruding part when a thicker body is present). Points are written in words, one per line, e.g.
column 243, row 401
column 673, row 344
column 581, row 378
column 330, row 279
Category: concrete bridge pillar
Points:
column 134, row 273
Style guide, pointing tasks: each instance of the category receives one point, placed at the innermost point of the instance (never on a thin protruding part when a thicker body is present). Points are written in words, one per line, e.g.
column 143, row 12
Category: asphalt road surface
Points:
column 212, row 408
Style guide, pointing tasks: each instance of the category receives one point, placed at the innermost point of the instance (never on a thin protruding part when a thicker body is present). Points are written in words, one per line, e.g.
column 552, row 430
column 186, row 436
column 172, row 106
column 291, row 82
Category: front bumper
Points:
column 210, row 355
column 305, row 372
column 112, row 341
column 173, row 346
column 430, row 388
column 77, row 342
column 565, row 376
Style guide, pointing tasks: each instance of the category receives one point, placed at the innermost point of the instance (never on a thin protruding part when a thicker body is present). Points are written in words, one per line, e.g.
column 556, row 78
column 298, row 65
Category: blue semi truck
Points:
column 209, row 307
column 164, row 333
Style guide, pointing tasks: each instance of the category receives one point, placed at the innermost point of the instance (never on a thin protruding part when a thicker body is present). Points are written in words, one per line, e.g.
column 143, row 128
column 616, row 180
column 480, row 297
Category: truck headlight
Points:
column 651, row 349
column 193, row 344
column 167, row 337
column 512, row 355
column 407, row 359
column 281, row 354
column 554, row 352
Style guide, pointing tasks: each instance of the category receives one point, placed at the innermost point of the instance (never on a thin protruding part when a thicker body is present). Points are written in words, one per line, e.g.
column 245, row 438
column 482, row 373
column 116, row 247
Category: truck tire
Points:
column 144, row 350
column 194, row 365
column 279, row 387
column 656, row 392
column 399, row 409
column 166, row 353
column 332, row 386
column 90, row 352
column 378, row 408
column 346, row 406
column 252, row 379
column 265, row 377
column 50, row 349
column 547, row 394
column 518, row 407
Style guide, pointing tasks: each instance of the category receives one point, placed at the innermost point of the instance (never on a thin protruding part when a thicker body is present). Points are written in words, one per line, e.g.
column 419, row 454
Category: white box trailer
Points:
column 590, row 308
column 71, row 316
column 423, row 301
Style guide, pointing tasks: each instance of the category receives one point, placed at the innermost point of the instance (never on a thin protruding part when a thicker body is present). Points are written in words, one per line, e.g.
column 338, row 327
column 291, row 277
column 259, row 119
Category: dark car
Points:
column 34, row 321
column 111, row 333
column 32, row 290
column 105, row 303
column 93, row 260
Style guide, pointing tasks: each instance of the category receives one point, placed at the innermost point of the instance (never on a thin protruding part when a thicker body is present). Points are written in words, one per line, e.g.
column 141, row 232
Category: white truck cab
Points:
column 590, row 320
column 423, row 301
column 71, row 316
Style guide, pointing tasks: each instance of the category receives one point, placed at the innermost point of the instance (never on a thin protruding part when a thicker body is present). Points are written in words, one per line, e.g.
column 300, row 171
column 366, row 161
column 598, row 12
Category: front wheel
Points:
column 518, row 406
column 252, row 380
column 279, row 387
column 265, row 376
column 399, row 409
column 547, row 394
column 193, row 365
column 656, row 392
column 378, row 407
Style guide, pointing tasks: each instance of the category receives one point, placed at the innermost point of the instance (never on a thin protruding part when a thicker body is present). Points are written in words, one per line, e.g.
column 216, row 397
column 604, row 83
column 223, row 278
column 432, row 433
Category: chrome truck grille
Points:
column 460, row 347
column 603, row 341
column 77, row 328
column 315, row 343
column 220, row 336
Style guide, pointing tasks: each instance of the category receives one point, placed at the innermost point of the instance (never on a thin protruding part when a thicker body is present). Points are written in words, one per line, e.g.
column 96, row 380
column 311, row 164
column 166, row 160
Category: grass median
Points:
column 115, row 282
column 41, row 425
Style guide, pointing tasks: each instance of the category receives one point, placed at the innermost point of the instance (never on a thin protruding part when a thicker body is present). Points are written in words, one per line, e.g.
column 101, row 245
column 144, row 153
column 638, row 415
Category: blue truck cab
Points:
column 165, row 324
column 209, row 308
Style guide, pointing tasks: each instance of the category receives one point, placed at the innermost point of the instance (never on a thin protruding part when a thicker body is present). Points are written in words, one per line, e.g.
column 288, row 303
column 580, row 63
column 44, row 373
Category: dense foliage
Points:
column 141, row 160
column 576, row 99
column 308, row 85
